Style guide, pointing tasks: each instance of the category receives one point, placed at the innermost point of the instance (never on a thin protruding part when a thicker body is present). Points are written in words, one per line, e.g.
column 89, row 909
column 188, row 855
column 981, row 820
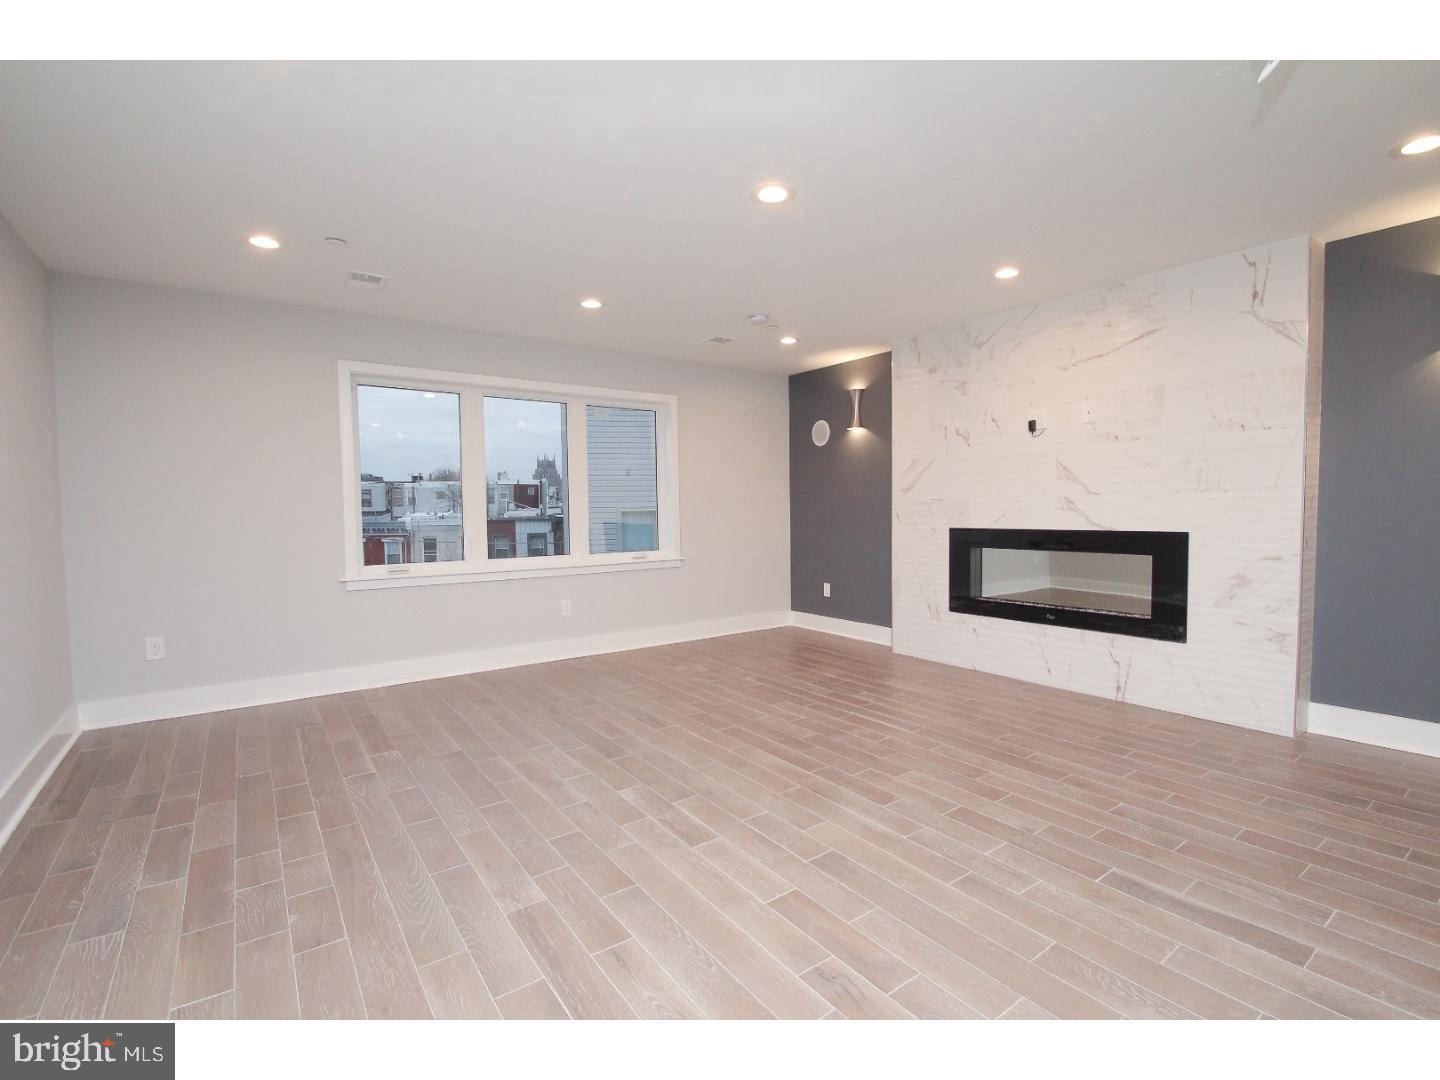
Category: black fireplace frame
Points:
column 1169, row 578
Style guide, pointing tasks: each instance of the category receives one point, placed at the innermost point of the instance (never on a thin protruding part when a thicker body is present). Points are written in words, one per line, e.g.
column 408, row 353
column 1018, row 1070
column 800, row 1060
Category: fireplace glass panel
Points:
column 1112, row 583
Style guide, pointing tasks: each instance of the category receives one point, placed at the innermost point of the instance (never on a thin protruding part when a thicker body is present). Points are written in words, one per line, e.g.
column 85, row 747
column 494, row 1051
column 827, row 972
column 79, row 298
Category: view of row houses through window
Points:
column 411, row 495
column 525, row 490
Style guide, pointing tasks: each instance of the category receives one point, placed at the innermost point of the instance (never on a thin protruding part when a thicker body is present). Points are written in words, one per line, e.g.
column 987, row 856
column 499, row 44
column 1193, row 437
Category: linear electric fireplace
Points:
column 1092, row 579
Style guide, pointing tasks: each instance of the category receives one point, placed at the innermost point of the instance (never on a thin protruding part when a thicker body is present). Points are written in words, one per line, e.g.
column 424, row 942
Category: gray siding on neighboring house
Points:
column 621, row 456
column 1377, row 590
column 840, row 493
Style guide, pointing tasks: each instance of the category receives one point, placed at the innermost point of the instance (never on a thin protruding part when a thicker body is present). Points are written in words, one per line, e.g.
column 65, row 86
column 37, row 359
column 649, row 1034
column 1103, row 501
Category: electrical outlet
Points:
column 827, row 589
column 154, row 648
column 566, row 608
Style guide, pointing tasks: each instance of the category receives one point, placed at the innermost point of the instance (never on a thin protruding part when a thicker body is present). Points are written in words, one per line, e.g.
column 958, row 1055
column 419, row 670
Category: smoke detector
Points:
column 718, row 339
column 362, row 280
column 759, row 318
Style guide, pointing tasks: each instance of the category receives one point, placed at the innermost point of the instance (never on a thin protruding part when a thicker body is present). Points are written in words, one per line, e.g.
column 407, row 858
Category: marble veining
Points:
column 1195, row 382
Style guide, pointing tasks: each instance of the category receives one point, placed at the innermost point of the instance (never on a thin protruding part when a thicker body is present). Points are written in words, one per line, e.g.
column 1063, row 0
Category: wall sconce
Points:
column 855, row 424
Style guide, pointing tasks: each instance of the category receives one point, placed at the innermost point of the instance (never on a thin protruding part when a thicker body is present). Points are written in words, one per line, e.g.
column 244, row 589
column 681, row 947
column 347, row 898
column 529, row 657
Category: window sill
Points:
column 459, row 577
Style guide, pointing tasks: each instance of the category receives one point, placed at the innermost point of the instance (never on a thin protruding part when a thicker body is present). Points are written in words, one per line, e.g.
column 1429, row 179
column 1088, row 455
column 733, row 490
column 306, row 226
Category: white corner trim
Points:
column 876, row 635
column 113, row 712
column 1377, row 729
column 20, row 792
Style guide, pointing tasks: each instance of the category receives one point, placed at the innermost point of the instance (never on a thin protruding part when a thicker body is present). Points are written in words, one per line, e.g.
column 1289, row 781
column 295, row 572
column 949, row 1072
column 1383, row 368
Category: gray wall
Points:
column 840, row 493
column 200, row 453
column 1377, row 597
column 35, row 691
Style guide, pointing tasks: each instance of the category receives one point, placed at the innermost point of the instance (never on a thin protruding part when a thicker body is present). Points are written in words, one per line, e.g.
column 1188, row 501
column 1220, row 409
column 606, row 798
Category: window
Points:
column 409, row 443
column 525, row 468
column 623, row 479
column 571, row 479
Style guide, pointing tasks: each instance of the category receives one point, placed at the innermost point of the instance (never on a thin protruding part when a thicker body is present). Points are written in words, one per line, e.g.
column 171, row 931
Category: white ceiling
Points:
column 495, row 196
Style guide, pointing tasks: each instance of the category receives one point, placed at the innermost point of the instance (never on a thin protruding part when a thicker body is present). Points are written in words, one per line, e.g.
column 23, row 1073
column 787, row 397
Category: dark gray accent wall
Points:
column 1377, row 589
column 840, row 493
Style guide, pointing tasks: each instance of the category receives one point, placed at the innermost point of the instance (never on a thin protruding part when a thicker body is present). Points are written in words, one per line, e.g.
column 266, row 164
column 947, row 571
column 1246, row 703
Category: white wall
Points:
column 35, row 688
column 1097, row 571
column 1007, row 570
column 175, row 406
column 1197, row 379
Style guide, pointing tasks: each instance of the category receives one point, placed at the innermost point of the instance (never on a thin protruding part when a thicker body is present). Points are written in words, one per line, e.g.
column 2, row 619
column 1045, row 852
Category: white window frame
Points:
column 477, row 564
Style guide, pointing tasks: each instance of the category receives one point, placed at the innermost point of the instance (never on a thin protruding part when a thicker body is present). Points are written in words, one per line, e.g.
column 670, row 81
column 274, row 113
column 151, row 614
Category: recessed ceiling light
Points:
column 1005, row 273
column 1421, row 144
column 772, row 194
column 266, row 243
column 788, row 340
column 591, row 304
column 337, row 241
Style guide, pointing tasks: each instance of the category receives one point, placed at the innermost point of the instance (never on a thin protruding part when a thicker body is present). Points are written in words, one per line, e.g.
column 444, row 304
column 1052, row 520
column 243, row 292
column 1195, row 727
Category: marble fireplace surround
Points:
column 1172, row 402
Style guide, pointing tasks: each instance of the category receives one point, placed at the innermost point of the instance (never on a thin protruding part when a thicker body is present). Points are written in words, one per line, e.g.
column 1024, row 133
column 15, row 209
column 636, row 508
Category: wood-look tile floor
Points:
column 773, row 824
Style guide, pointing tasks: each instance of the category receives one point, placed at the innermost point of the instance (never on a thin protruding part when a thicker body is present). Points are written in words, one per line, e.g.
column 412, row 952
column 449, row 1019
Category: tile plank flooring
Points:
column 771, row 824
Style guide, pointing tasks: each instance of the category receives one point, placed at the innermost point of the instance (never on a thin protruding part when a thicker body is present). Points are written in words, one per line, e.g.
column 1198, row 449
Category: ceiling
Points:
column 496, row 195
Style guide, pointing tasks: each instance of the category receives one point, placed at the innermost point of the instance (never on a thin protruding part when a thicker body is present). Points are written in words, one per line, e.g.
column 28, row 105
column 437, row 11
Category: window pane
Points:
column 624, row 509
column 525, row 489
column 409, row 476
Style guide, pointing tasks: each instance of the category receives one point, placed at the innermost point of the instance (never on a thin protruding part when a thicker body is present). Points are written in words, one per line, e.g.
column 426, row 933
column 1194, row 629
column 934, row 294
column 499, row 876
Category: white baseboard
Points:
column 113, row 712
column 1377, row 729
column 876, row 635
column 20, row 792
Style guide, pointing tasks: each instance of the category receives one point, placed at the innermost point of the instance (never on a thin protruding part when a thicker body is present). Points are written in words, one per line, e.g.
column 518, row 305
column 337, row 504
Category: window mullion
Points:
column 577, row 479
column 472, row 475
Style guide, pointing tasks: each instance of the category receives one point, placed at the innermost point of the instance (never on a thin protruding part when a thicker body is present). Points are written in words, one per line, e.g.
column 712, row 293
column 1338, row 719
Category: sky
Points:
column 517, row 432
column 414, row 431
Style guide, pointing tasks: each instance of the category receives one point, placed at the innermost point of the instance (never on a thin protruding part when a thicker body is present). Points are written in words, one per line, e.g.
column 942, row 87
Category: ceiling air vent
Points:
column 718, row 339
column 362, row 280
